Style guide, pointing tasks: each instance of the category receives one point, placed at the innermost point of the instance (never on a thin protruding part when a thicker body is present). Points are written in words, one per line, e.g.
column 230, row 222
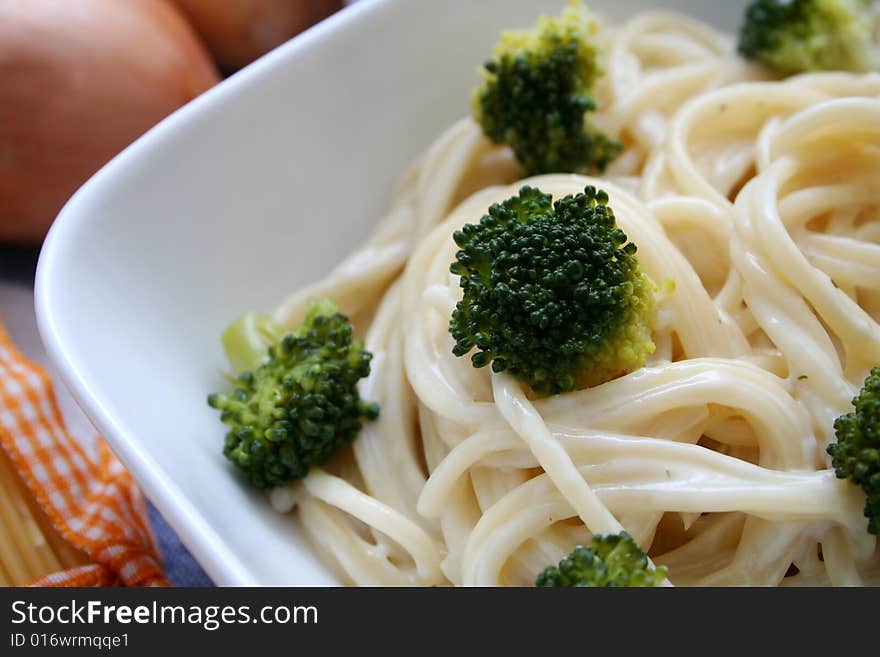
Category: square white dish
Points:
column 254, row 189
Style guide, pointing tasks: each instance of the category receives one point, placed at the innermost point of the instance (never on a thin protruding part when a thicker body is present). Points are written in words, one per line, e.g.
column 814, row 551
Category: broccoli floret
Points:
column 536, row 93
column 611, row 560
column 300, row 405
column 792, row 36
column 552, row 292
column 856, row 454
column 246, row 341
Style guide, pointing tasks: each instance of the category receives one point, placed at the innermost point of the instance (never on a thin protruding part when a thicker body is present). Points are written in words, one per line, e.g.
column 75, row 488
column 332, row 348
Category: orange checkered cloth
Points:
column 96, row 507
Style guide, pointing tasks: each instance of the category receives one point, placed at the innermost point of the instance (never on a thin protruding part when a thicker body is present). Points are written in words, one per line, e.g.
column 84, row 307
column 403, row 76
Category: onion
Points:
column 80, row 80
column 239, row 31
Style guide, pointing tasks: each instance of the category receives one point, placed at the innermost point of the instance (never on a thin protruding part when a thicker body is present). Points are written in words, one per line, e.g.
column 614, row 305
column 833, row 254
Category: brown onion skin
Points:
column 79, row 81
column 239, row 31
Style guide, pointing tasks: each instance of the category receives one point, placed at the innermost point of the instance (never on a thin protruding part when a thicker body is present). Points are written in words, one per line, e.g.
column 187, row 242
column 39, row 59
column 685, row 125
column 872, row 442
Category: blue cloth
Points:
column 180, row 566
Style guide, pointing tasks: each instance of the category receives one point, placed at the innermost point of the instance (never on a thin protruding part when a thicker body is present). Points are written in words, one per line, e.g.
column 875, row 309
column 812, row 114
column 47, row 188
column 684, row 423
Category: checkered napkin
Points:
column 96, row 507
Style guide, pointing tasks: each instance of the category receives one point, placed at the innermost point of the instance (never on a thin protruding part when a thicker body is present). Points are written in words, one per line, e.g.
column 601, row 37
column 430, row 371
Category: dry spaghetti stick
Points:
column 4, row 577
column 12, row 559
column 40, row 540
column 16, row 524
column 68, row 555
column 59, row 553
column 62, row 551
column 19, row 495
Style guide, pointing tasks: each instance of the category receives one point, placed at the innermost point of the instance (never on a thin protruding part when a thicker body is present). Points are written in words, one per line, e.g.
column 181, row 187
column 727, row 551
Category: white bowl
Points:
column 255, row 188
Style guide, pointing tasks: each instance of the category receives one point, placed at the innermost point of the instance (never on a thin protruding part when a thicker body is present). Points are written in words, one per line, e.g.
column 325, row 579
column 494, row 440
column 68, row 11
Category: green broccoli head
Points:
column 300, row 404
column 611, row 560
column 856, row 454
column 536, row 93
column 552, row 292
column 793, row 36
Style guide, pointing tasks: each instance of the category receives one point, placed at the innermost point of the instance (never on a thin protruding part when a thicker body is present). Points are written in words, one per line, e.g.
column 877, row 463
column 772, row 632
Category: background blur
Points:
column 79, row 81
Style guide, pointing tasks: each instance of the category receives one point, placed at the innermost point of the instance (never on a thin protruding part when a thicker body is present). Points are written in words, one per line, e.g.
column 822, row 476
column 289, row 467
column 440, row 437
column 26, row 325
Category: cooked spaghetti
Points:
column 755, row 205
